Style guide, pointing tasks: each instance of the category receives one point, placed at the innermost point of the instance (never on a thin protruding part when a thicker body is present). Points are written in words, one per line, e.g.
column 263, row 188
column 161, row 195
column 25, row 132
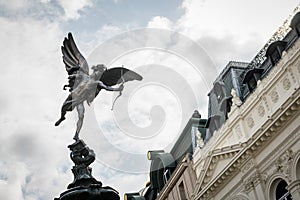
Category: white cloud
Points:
column 228, row 30
column 104, row 33
column 239, row 18
column 30, row 104
column 60, row 10
column 229, row 48
column 160, row 22
column 72, row 8
column 14, row 5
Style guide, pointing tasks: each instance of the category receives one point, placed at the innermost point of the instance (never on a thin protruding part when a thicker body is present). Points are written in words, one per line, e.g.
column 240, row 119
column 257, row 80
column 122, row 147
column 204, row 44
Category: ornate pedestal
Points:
column 85, row 186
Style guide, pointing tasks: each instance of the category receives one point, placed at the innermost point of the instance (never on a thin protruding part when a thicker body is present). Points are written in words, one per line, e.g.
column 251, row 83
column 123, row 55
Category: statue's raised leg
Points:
column 67, row 106
column 62, row 118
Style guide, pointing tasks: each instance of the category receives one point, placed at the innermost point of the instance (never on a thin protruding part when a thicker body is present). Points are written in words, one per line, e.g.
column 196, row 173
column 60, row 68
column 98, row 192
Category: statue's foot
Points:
column 59, row 121
column 76, row 138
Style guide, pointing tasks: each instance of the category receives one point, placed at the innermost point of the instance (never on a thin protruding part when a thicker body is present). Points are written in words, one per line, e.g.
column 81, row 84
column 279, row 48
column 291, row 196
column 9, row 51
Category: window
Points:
column 218, row 90
column 274, row 51
column 219, row 94
column 281, row 192
column 252, row 84
column 298, row 169
column 275, row 57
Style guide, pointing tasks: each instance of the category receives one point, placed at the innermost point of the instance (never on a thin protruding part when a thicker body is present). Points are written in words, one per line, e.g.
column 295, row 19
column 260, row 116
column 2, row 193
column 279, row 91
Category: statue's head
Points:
column 99, row 68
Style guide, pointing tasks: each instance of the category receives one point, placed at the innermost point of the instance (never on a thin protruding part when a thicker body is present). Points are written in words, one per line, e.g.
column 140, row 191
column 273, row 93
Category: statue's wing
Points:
column 72, row 57
column 74, row 62
column 114, row 76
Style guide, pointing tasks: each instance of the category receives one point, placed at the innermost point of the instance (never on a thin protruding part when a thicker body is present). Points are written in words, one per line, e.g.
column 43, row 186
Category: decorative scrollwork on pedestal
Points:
column 82, row 156
column 85, row 186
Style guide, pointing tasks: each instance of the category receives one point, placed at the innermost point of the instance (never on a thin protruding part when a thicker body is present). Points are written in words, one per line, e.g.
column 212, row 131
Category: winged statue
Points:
column 84, row 86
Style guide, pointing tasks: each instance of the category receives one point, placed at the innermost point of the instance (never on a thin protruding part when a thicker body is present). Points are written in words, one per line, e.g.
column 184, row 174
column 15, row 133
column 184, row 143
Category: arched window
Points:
column 295, row 23
column 219, row 90
column 279, row 191
column 298, row 169
column 274, row 51
column 251, row 78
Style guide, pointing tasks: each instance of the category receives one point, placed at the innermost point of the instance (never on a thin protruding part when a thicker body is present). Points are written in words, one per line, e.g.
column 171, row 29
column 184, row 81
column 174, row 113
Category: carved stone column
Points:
column 294, row 189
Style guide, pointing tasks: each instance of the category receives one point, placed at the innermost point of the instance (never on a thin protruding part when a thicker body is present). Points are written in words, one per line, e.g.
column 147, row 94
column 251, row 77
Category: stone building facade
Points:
column 249, row 147
column 255, row 153
column 257, row 149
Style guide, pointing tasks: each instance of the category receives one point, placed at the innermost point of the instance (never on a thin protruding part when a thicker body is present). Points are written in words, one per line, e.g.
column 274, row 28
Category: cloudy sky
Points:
column 178, row 46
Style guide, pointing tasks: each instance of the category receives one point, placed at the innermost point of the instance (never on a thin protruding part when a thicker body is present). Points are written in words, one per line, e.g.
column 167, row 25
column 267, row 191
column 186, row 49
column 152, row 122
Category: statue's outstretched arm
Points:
column 109, row 88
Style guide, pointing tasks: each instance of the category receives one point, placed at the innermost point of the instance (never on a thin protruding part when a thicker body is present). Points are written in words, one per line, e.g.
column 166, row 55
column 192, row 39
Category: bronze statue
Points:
column 85, row 87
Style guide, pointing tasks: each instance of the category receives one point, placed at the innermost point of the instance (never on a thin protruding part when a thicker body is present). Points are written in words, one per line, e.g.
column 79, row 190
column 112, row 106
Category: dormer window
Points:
column 295, row 23
column 274, row 51
column 213, row 124
column 251, row 78
column 225, row 106
column 219, row 92
column 252, row 83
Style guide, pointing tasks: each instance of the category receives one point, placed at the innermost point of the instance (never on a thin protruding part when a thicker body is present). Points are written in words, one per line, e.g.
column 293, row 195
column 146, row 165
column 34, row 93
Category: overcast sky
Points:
column 186, row 44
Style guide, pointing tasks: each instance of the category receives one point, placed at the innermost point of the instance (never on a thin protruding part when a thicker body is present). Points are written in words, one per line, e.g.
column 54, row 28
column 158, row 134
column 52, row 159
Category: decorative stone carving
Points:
column 274, row 96
column 286, row 83
column 247, row 166
column 238, row 197
column 238, row 132
column 292, row 75
column 266, row 102
column 200, row 142
column 252, row 182
column 284, row 163
column 235, row 99
column 261, row 111
column 250, row 122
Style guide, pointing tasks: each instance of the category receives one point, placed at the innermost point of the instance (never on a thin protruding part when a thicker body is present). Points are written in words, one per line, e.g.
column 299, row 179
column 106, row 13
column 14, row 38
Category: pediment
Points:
column 216, row 162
